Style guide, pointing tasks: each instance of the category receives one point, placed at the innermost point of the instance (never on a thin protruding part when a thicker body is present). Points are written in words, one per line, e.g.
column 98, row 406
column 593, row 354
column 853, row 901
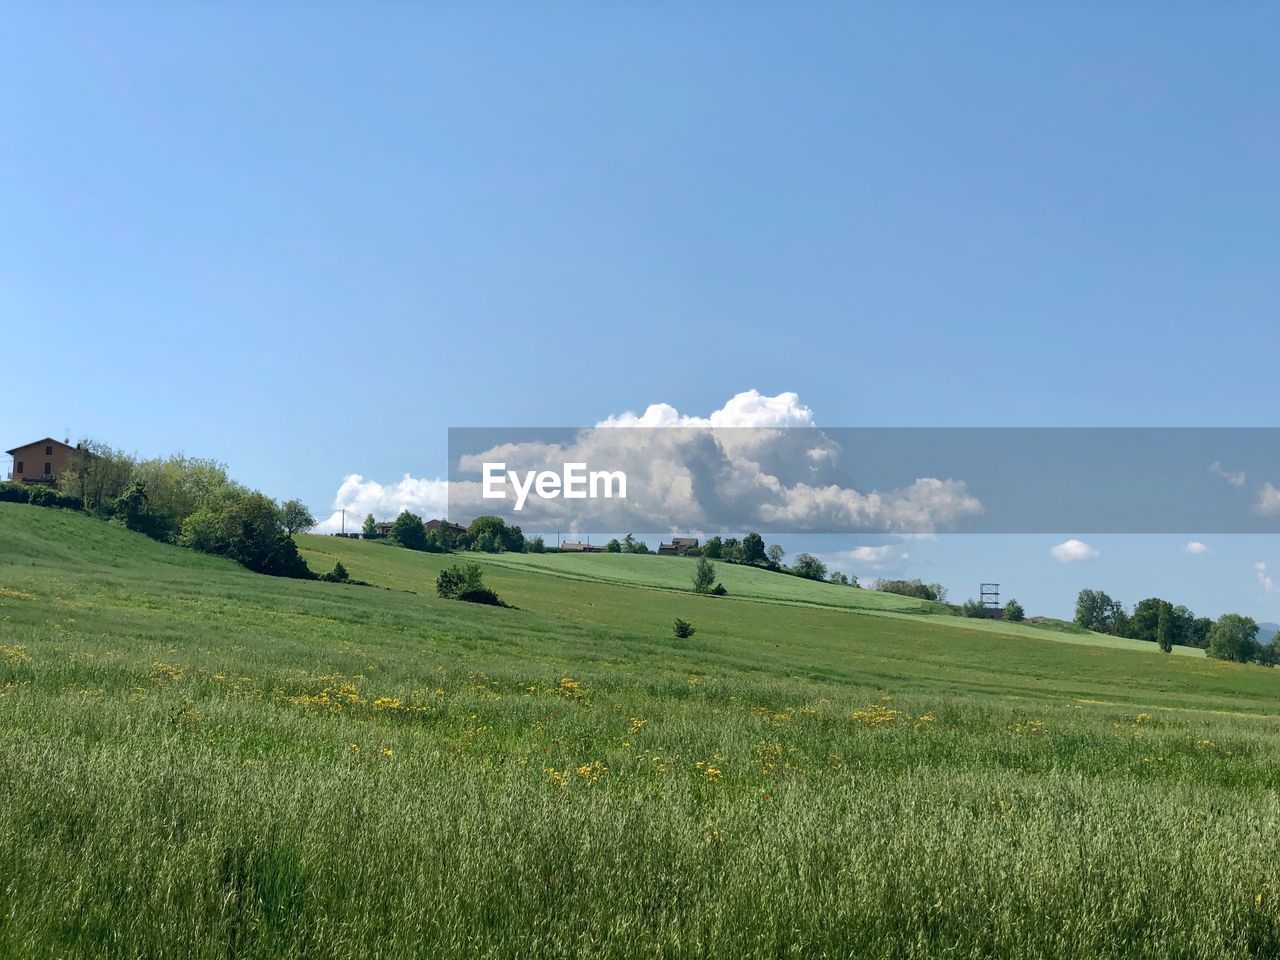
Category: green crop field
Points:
column 197, row 761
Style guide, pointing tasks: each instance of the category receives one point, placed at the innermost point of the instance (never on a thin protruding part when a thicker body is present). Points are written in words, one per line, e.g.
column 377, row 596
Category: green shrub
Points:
column 972, row 608
column 249, row 531
column 465, row 582
column 337, row 575
column 42, row 497
column 683, row 629
column 14, row 493
column 1013, row 612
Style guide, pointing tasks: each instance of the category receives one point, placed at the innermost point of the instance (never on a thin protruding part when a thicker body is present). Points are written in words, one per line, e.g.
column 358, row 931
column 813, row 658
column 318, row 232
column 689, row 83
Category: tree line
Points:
column 186, row 501
column 1232, row 636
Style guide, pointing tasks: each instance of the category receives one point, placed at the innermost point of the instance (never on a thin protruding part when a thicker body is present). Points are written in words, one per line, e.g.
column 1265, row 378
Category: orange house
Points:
column 41, row 461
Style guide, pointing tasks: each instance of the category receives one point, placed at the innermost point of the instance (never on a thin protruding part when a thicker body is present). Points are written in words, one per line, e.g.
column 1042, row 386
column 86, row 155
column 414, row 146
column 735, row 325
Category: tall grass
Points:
column 198, row 762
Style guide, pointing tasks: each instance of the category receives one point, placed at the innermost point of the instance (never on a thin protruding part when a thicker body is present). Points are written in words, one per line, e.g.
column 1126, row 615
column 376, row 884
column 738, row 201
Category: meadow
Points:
column 197, row 761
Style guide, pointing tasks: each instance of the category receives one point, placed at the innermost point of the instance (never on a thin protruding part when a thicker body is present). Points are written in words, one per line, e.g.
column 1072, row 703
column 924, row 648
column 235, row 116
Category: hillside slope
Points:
column 198, row 761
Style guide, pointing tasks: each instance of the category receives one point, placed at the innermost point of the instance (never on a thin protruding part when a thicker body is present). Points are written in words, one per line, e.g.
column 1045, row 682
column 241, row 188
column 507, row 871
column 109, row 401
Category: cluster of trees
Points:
column 1012, row 611
column 1231, row 637
column 485, row 535
column 182, row 500
column 629, row 544
column 912, row 588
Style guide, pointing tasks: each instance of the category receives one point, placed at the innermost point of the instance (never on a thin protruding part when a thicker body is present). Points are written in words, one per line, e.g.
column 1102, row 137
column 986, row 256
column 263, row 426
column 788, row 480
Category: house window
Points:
column 18, row 467
column 48, row 450
column 48, row 469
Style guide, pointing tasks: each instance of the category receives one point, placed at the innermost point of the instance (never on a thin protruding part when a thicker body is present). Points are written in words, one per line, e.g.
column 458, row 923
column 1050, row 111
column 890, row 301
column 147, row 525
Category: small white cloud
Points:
column 1195, row 548
column 1268, row 500
column 1233, row 477
column 1072, row 551
column 1264, row 578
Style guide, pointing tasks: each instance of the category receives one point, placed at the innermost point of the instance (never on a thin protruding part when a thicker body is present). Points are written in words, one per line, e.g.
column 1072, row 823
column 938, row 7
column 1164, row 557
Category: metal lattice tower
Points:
column 989, row 593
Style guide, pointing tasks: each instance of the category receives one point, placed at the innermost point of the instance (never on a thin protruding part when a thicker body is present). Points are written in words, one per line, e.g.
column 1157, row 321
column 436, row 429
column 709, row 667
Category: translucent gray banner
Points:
column 868, row 480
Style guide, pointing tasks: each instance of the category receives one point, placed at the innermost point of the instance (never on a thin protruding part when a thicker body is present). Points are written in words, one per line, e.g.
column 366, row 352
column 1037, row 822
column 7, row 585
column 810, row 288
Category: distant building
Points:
column 678, row 545
column 455, row 529
column 42, row 461
column 569, row 547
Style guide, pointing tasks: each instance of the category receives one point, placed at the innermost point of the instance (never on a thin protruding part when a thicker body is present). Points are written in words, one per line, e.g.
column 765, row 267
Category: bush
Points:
column 337, row 575
column 14, row 493
column 972, row 608
column 42, row 497
column 408, row 531
column 492, row 535
column 465, row 582
column 719, row 591
column 683, row 629
column 912, row 588
column 1013, row 612
column 249, row 531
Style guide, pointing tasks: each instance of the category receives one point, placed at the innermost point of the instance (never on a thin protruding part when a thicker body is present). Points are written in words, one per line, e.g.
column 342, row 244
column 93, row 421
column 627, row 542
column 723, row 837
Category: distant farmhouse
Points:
column 580, row 547
column 678, row 545
column 42, row 461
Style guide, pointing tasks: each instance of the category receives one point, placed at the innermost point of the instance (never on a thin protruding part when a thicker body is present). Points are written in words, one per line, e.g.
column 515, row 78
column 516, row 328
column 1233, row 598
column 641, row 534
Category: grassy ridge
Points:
column 197, row 761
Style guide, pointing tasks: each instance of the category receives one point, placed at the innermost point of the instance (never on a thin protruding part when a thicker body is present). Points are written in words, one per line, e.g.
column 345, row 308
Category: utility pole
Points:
column 344, row 521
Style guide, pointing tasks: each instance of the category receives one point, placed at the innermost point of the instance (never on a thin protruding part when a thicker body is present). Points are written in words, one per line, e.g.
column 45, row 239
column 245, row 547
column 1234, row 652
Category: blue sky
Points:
column 307, row 239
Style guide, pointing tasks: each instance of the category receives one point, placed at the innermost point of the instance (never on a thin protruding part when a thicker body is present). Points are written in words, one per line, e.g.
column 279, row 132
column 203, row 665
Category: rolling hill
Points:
column 304, row 769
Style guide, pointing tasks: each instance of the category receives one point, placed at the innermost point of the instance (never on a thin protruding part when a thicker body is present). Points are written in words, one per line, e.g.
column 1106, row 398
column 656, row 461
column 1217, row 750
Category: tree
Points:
column 840, row 578
column 973, row 609
column 613, row 546
column 1200, row 628
column 1096, row 611
column 369, row 529
column 249, row 531
column 807, row 565
column 407, row 531
column 535, row 544
column 1164, row 627
column 704, row 576
column 753, row 548
column 133, row 509
column 1233, row 637
column 98, row 475
column 1013, row 612
column 296, row 517
column 683, row 629
column 775, row 554
column 712, row 548
column 491, row 534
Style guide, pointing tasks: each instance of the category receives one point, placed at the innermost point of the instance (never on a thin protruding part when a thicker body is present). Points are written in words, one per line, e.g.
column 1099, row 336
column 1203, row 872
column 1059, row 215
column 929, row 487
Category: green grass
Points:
column 199, row 762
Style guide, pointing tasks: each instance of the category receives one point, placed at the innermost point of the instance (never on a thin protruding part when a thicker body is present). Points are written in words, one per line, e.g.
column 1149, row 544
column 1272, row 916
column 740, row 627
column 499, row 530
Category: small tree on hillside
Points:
column 840, row 578
column 807, row 565
column 408, row 531
column 295, row 517
column 1233, row 637
column 1013, row 612
column 1164, row 627
column 753, row 548
column 704, row 576
column 369, row 528
column 775, row 553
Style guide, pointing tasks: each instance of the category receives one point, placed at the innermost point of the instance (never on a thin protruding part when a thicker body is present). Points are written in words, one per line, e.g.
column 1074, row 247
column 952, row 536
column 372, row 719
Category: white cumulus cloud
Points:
column 1071, row 551
column 427, row 498
column 741, row 467
column 1195, row 548
column 1268, row 500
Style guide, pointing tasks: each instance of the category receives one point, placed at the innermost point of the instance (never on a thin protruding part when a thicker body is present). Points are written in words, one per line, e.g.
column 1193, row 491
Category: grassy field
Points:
column 196, row 761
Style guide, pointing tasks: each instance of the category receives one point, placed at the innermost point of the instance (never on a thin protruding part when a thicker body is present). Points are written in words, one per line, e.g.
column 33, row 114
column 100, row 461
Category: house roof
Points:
column 36, row 443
